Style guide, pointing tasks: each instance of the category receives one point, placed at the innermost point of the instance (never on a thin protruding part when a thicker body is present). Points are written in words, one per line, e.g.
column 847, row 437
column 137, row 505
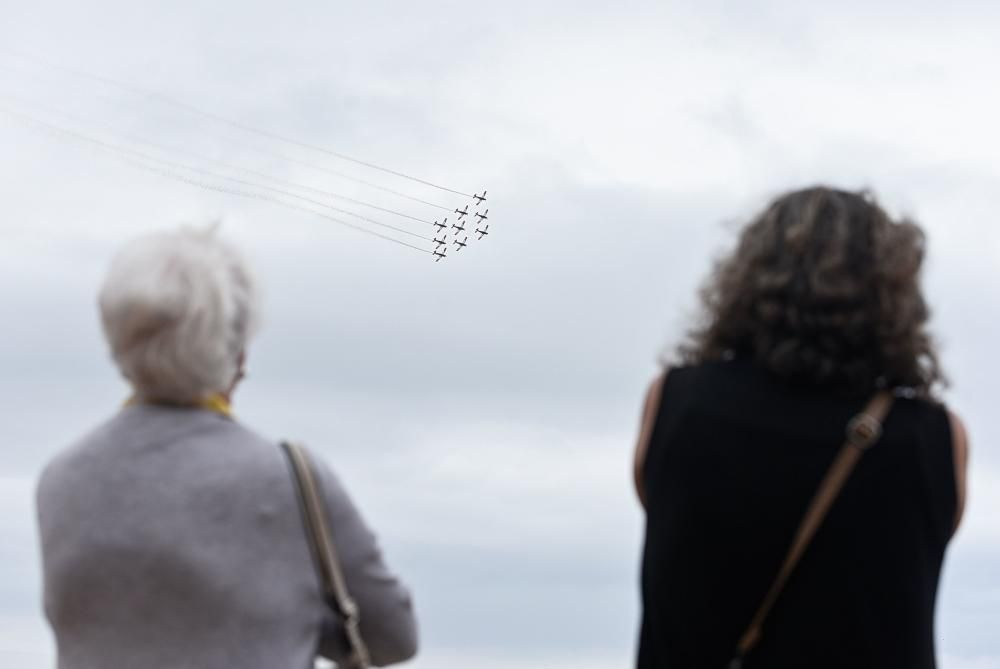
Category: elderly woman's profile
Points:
column 811, row 384
column 172, row 535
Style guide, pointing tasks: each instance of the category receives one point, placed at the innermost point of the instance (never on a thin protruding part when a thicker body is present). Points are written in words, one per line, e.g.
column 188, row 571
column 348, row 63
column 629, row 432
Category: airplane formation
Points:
column 457, row 228
column 196, row 169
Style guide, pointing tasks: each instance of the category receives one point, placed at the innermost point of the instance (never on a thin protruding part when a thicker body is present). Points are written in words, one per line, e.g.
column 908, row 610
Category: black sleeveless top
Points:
column 734, row 458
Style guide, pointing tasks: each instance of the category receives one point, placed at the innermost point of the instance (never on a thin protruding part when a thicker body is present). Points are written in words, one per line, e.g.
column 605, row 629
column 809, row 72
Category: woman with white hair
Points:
column 172, row 535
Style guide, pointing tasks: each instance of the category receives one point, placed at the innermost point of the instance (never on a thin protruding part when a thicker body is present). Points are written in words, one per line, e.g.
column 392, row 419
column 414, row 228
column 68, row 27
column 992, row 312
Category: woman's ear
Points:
column 241, row 373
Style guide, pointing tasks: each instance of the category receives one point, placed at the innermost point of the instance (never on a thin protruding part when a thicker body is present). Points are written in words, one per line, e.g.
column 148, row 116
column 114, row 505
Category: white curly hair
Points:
column 178, row 309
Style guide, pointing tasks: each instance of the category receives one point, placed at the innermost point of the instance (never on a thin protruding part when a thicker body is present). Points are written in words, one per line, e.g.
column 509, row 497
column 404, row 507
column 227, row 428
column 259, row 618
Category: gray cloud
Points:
column 482, row 410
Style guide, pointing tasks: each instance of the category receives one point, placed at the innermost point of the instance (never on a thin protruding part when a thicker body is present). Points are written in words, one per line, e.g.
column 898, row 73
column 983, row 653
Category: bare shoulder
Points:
column 654, row 399
column 650, row 410
column 960, row 452
column 958, row 432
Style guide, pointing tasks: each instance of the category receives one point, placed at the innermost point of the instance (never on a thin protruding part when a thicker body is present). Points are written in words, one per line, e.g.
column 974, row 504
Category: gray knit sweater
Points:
column 172, row 539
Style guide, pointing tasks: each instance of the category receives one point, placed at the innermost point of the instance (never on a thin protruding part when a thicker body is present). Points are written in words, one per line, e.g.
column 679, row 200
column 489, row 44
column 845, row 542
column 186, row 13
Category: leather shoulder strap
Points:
column 324, row 552
column 862, row 432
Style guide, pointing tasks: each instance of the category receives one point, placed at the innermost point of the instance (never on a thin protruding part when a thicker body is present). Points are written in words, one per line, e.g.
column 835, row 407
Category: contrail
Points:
column 135, row 90
column 190, row 154
column 267, row 198
column 123, row 154
column 303, row 163
column 174, row 164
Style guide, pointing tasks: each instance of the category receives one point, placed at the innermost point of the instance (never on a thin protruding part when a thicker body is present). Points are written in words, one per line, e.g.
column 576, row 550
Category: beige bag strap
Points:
column 862, row 432
column 321, row 539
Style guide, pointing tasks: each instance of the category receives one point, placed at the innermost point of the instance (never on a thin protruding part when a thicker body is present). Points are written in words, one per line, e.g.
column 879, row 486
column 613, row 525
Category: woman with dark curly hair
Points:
column 770, row 541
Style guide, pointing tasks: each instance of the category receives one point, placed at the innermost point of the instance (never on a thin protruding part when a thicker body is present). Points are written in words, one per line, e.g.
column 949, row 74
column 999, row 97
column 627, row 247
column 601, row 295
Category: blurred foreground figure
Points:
column 172, row 536
column 817, row 310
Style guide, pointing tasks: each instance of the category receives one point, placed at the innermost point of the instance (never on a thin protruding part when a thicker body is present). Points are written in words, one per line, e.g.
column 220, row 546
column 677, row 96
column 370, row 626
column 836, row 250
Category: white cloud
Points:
column 959, row 662
column 503, row 388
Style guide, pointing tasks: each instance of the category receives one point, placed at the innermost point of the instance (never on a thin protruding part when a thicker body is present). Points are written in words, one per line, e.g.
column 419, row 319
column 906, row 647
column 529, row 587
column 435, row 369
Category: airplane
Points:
column 482, row 217
column 482, row 233
column 461, row 244
column 442, row 224
column 441, row 242
column 440, row 255
column 460, row 227
column 462, row 212
column 480, row 198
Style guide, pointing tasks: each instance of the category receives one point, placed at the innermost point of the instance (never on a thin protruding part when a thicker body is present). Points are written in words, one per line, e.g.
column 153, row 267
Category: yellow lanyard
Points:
column 216, row 403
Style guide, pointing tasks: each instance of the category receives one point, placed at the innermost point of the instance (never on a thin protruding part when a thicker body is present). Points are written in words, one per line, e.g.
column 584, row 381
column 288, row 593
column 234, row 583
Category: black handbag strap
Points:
column 325, row 555
column 862, row 432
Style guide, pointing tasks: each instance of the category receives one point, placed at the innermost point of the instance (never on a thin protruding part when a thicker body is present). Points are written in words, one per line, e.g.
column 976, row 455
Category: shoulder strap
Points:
column 324, row 552
column 862, row 432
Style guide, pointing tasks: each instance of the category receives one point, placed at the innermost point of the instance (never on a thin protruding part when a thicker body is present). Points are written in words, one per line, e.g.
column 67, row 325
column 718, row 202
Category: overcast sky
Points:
column 482, row 410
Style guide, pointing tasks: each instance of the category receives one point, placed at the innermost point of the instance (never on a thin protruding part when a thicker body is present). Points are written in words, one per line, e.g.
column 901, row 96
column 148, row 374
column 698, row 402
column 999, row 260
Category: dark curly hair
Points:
column 823, row 289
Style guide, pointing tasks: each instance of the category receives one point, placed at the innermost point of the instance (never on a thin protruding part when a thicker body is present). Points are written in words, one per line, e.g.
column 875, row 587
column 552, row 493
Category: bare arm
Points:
column 960, row 451
column 388, row 624
column 649, row 413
